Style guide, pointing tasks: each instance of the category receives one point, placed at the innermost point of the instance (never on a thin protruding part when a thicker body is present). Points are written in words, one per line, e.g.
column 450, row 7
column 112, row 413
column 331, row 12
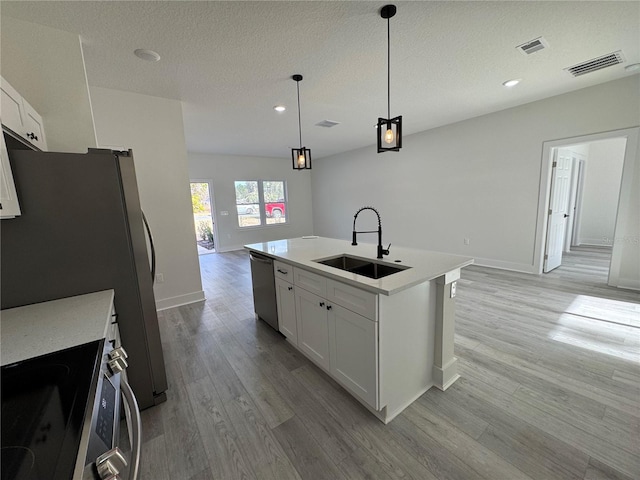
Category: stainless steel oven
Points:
column 104, row 458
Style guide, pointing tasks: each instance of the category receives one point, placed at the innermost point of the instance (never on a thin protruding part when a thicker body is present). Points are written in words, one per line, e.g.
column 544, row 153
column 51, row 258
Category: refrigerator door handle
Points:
column 153, row 250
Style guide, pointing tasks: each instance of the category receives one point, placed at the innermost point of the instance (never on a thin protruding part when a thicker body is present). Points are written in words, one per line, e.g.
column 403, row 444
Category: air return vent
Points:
column 327, row 123
column 596, row 64
column 532, row 46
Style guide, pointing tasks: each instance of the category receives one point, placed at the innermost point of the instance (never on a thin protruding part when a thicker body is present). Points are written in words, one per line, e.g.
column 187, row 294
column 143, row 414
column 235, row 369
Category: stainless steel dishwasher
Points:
column 264, row 289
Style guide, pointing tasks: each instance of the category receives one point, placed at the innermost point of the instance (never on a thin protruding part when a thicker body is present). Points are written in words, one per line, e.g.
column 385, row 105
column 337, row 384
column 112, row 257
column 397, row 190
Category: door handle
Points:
column 565, row 215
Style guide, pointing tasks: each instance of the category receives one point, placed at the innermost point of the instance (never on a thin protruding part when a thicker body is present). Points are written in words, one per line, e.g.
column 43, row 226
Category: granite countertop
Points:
column 303, row 251
column 47, row 327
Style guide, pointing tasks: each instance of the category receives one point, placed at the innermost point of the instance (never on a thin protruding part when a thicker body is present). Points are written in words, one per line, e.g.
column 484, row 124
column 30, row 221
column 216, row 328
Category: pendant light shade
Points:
column 389, row 130
column 301, row 157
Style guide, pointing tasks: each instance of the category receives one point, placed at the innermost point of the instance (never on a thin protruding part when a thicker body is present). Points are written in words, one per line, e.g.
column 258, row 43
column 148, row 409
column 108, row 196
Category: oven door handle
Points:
column 135, row 427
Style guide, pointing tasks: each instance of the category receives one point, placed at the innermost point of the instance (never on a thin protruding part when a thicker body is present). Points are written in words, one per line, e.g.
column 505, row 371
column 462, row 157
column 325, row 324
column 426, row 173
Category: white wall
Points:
column 476, row 179
column 224, row 170
column 152, row 127
column 601, row 190
column 47, row 67
column 625, row 259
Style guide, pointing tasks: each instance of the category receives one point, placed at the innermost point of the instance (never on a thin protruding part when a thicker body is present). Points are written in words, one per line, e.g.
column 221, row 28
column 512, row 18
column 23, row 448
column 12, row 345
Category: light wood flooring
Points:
column 550, row 389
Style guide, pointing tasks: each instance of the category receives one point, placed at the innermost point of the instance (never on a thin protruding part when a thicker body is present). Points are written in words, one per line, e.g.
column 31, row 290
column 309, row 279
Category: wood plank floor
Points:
column 550, row 389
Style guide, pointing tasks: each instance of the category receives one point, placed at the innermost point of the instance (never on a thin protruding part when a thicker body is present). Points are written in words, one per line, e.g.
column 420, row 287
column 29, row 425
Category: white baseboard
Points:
column 595, row 242
column 444, row 377
column 230, row 248
column 514, row 267
column 180, row 300
column 629, row 283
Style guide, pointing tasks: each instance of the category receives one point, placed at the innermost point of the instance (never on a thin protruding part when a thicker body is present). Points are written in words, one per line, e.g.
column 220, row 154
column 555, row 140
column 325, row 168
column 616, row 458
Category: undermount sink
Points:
column 359, row 266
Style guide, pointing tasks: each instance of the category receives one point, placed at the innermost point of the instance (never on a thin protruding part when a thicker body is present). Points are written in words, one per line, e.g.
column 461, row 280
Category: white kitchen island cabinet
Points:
column 286, row 305
column 386, row 340
column 313, row 327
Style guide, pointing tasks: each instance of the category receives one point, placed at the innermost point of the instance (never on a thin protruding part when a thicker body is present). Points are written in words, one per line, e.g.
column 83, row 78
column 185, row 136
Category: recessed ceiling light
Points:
column 280, row 108
column 148, row 55
column 633, row 67
column 511, row 83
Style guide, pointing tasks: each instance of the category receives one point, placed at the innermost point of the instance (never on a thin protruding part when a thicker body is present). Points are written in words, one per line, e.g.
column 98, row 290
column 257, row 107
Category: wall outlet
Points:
column 224, row 212
column 467, row 241
column 159, row 278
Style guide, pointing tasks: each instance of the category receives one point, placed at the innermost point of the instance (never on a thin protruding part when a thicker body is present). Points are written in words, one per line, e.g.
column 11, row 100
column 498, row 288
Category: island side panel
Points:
column 407, row 341
column 445, row 368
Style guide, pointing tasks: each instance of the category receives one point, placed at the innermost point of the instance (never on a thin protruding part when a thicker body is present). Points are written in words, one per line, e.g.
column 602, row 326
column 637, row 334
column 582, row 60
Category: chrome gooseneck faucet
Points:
column 381, row 251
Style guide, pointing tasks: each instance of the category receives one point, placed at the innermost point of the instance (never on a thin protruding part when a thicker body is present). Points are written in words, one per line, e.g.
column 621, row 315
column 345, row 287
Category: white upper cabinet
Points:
column 34, row 130
column 9, row 206
column 20, row 117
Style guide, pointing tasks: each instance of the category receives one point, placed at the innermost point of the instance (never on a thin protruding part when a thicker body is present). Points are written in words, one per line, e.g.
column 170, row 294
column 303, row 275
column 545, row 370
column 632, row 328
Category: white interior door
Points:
column 558, row 206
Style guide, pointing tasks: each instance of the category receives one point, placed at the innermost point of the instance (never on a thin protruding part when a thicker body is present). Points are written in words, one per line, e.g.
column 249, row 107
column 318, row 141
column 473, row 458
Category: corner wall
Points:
column 477, row 179
column 152, row 127
column 46, row 66
column 224, row 170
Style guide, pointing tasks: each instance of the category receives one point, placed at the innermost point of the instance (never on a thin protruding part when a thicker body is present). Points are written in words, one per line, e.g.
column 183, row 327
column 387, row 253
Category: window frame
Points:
column 262, row 205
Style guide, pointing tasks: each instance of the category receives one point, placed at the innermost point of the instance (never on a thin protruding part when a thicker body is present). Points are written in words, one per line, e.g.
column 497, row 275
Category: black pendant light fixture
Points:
column 389, row 130
column 301, row 157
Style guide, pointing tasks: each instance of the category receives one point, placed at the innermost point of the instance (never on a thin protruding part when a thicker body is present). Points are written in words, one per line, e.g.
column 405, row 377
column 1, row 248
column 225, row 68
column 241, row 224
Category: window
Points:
column 261, row 202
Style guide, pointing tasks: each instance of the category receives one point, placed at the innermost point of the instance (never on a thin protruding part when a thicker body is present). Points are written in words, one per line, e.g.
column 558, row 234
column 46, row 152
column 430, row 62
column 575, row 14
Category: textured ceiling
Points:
column 231, row 62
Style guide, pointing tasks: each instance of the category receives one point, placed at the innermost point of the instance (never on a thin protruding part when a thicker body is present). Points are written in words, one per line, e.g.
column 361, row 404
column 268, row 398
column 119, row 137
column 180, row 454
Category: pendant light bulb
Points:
column 301, row 160
column 389, row 136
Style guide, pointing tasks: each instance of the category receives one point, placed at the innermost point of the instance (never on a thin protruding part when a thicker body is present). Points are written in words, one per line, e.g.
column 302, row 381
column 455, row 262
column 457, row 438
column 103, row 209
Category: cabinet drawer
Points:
column 354, row 299
column 311, row 282
column 283, row 271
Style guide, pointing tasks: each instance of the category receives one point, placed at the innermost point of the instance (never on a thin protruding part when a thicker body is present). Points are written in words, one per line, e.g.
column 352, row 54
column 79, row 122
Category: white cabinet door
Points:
column 354, row 353
column 19, row 116
column 9, row 206
column 287, row 310
column 11, row 108
column 33, row 129
column 313, row 328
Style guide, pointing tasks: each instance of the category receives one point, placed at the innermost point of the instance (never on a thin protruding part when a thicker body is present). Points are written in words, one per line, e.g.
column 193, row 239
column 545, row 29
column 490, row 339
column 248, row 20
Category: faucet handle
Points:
column 386, row 252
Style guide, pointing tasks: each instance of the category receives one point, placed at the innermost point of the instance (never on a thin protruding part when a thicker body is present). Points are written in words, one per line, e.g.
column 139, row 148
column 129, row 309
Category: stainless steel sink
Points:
column 359, row 266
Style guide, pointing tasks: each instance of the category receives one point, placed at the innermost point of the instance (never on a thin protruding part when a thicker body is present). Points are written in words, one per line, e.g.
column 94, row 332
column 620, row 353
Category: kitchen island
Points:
column 385, row 340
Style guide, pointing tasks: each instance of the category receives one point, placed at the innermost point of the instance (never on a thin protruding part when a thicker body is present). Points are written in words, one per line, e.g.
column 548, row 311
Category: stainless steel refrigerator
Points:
column 81, row 231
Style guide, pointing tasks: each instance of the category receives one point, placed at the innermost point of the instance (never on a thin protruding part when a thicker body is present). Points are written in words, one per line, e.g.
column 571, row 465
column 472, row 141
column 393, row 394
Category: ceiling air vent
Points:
column 596, row 64
column 327, row 123
column 533, row 46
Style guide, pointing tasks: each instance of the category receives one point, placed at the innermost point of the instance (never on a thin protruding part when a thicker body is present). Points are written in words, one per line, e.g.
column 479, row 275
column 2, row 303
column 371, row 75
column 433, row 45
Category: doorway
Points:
column 201, row 201
column 583, row 203
column 589, row 196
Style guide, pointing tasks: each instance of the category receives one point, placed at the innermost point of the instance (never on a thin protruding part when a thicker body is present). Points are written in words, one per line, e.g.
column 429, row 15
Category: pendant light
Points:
column 389, row 130
column 301, row 157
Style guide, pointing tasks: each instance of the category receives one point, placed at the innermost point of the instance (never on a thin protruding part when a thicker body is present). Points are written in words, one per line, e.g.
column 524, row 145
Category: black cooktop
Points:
column 43, row 407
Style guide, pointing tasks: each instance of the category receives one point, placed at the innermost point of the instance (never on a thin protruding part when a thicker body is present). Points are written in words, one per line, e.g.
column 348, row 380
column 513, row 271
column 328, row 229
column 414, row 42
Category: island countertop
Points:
column 46, row 327
column 305, row 251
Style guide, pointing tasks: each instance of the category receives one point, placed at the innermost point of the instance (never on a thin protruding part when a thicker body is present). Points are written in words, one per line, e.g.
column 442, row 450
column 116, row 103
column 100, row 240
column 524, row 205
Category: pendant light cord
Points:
column 388, row 68
column 299, row 122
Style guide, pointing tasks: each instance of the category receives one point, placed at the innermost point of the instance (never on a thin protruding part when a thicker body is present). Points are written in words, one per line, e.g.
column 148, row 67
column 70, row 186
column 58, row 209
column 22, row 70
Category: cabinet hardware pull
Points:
column 322, row 304
column 329, row 307
column 284, row 272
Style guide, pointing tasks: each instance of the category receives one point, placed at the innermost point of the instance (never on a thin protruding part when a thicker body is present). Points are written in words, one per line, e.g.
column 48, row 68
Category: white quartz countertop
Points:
column 303, row 251
column 42, row 328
